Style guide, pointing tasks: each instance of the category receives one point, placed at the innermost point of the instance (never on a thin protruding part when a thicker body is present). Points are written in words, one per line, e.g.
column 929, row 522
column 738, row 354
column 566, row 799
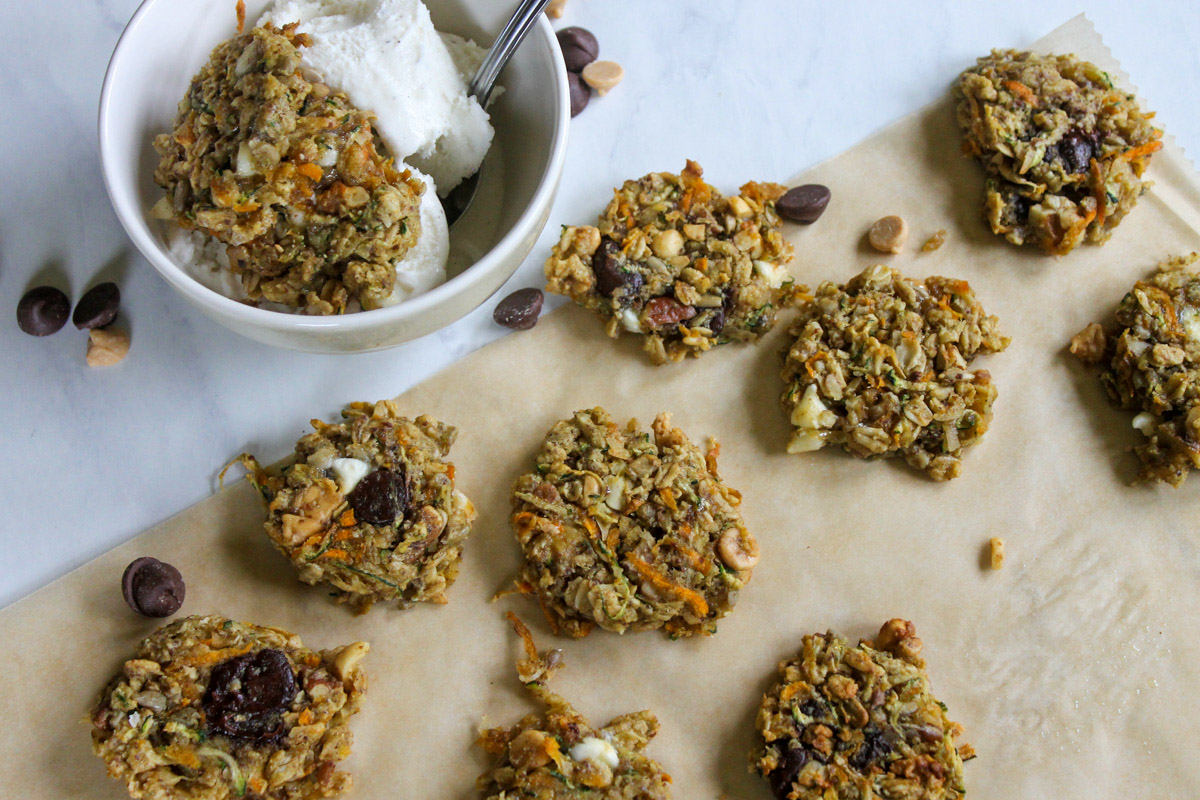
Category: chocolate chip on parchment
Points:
column 248, row 695
column 519, row 310
column 580, row 93
column 381, row 497
column 98, row 306
column 579, row 47
column 804, row 204
column 152, row 588
column 42, row 311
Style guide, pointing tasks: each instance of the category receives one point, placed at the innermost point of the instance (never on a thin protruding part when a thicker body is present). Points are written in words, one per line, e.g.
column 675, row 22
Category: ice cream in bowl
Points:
column 282, row 167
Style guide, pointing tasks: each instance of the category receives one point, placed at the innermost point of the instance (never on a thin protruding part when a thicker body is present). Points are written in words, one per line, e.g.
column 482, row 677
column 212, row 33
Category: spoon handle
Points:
column 506, row 44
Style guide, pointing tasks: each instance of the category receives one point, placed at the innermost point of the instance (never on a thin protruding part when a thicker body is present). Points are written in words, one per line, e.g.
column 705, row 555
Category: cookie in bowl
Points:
column 209, row 708
column 368, row 507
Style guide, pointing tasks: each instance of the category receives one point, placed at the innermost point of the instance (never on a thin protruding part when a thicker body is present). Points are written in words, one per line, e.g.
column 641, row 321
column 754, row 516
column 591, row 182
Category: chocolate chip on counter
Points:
column 248, row 695
column 43, row 310
column 579, row 47
column 804, row 204
column 580, row 93
column 519, row 310
column 152, row 588
column 381, row 497
column 98, row 306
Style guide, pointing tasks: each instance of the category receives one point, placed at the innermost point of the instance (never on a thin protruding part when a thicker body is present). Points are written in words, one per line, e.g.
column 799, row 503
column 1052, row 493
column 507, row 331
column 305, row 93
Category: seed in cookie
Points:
column 519, row 310
column 882, row 366
column 1152, row 360
column 98, row 306
column 369, row 507
column 675, row 262
column 858, row 721
column 630, row 530
column 804, row 204
column 579, row 47
column 229, row 710
column 153, row 588
column 1064, row 149
column 43, row 310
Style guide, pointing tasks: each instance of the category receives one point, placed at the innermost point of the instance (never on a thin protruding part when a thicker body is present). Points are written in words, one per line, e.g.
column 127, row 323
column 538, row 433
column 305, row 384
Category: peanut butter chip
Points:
column 555, row 8
column 603, row 75
column 889, row 234
column 106, row 346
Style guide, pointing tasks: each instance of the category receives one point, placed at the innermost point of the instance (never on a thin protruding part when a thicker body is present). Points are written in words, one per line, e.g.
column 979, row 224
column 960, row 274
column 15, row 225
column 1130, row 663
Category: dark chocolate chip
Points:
column 611, row 277
column 152, row 588
column 872, row 750
column 381, row 497
column 519, row 310
column 580, row 93
column 42, row 311
column 804, row 204
column 247, row 697
column 1076, row 149
column 579, row 48
column 784, row 775
column 98, row 307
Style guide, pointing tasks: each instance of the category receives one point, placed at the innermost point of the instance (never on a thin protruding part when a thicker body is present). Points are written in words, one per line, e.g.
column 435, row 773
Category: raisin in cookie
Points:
column 368, row 507
column 881, row 366
column 630, row 530
column 1153, row 366
column 858, row 722
column 209, row 709
column 1064, row 149
column 559, row 755
column 675, row 262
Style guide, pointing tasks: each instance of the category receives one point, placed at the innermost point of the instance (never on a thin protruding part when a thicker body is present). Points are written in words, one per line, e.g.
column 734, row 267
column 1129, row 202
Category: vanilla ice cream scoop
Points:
column 387, row 57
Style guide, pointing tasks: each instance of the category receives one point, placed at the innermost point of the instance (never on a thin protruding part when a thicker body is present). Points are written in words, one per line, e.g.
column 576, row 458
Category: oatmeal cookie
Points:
column 630, row 531
column 209, row 709
column 1153, row 366
column 880, row 366
column 558, row 755
column 285, row 172
column 368, row 507
column 1064, row 149
column 858, row 722
column 674, row 261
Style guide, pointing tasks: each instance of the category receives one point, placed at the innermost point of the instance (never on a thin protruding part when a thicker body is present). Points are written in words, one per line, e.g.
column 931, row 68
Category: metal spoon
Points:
column 482, row 84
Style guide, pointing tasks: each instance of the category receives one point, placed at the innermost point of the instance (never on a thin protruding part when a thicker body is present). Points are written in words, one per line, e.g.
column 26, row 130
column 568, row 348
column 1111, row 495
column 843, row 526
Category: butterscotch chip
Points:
column 889, row 234
column 106, row 346
column 603, row 75
column 555, row 8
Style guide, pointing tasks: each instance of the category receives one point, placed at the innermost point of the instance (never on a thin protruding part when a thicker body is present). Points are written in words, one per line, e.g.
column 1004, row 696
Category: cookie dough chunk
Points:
column 209, row 709
column 628, row 530
column 558, row 755
column 285, row 173
column 859, row 722
column 368, row 507
column 675, row 262
column 1064, row 149
column 881, row 366
column 1152, row 358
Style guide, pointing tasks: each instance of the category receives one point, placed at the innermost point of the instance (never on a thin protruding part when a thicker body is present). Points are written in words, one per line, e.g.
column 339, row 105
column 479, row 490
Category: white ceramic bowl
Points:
column 165, row 44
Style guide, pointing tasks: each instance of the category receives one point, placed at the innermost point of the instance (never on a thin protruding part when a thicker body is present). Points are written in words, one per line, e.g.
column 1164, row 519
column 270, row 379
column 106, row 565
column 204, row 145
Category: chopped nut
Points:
column 603, row 75
column 667, row 244
column 555, row 8
column 348, row 659
column 935, row 241
column 996, row 552
column 106, row 346
column 889, row 234
column 529, row 750
column 899, row 637
column 737, row 549
column 1090, row 344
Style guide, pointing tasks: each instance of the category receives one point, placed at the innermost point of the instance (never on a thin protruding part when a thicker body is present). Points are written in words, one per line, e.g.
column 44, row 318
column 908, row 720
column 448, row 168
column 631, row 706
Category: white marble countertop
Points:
column 755, row 89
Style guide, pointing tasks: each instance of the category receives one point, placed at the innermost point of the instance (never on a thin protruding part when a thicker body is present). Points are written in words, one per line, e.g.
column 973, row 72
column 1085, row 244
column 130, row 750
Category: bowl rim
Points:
column 133, row 220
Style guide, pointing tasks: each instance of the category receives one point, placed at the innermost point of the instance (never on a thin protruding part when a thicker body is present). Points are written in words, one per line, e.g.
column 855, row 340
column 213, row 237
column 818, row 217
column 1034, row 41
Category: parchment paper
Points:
column 1075, row 669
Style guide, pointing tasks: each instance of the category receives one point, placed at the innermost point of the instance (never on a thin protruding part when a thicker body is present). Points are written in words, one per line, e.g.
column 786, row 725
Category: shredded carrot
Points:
column 310, row 171
column 694, row 600
column 524, row 522
column 347, row 518
column 523, row 631
column 240, row 8
column 710, row 458
column 685, row 202
column 808, row 364
column 613, row 538
column 450, row 471
column 246, row 208
column 213, row 656
column 343, row 534
column 1101, row 193
column 335, row 552
column 306, row 717
column 1142, row 150
column 791, row 690
column 701, row 263
column 668, row 498
column 257, row 785
column 697, row 561
column 1022, row 91
column 182, row 756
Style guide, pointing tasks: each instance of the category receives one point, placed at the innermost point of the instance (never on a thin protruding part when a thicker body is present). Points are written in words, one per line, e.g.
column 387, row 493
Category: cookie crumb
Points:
column 1090, row 344
column 888, row 234
column 996, row 552
column 934, row 242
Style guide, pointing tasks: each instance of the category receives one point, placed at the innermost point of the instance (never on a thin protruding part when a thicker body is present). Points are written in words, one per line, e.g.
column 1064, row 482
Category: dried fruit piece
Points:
column 152, row 588
column 804, row 204
column 43, row 310
column 519, row 310
column 381, row 497
column 98, row 306
column 934, row 242
column 603, row 76
column 248, row 695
